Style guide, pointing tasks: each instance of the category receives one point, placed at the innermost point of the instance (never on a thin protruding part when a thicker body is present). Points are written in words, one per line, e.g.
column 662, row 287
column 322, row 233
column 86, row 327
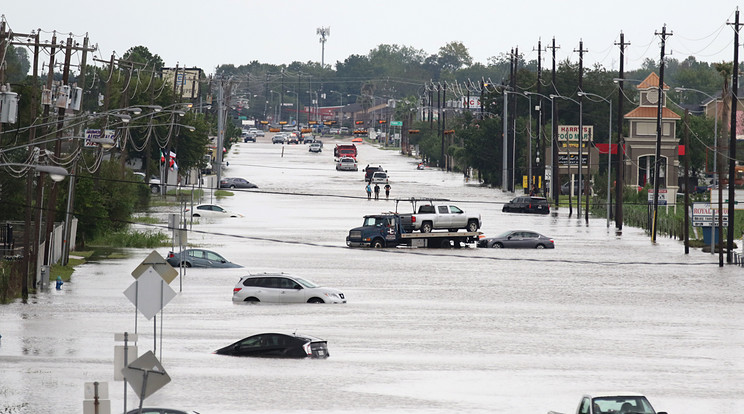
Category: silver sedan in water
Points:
column 523, row 239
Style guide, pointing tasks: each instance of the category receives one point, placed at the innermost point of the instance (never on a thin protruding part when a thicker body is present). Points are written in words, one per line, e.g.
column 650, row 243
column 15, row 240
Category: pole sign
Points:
column 662, row 196
column 705, row 216
column 93, row 136
column 571, row 133
column 396, row 123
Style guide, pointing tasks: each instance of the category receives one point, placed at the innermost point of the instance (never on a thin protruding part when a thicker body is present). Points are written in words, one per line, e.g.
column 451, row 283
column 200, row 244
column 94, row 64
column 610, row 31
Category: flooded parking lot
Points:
column 424, row 330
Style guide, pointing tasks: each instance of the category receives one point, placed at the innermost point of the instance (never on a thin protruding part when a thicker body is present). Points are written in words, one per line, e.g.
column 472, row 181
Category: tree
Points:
column 453, row 56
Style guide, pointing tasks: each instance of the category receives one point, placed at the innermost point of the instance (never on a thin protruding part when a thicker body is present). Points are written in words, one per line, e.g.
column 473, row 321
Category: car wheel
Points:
column 539, row 246
column 498, row 245
column 232, row 186
column 315, row 300
column 187, row 264
column 154, row 189
column 472, row 226
column 251, row 299
column 378, row 244
column 195, row 215
column 445, row 244
column 426, row 227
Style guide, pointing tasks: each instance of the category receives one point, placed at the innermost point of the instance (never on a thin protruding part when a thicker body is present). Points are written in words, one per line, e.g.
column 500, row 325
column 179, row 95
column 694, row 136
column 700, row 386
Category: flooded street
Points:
column 424, row 330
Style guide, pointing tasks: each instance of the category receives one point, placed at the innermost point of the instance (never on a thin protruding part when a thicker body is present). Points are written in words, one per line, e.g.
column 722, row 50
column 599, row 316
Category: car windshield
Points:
column 306, row 283
column 620, row 404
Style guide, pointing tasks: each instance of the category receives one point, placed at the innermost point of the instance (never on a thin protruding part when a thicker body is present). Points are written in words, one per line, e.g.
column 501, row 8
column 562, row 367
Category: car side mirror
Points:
column 509, row 238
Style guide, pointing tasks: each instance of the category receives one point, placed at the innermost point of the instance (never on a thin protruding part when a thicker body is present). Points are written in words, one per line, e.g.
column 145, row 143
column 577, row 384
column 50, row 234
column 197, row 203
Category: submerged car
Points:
column 276, row 345
column 346, row 164
column 283, row 288
column 518, row 239
column 211, row 210
column 615, row 403
column 236, row 183
column 198, row 258
column 527, row 204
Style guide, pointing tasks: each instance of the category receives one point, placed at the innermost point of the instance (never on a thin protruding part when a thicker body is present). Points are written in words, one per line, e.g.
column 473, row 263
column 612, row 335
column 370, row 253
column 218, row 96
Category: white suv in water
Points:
column 283, row 288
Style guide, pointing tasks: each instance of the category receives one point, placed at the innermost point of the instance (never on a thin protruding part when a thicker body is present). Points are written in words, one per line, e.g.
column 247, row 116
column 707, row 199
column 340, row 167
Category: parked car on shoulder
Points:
column 283, row 288
column 277, row 345
column 315, row 147
column 346, row 164
column 236, row 182
column 518, row 239
column 210, row 210
column 198, row 258
column 527, row 204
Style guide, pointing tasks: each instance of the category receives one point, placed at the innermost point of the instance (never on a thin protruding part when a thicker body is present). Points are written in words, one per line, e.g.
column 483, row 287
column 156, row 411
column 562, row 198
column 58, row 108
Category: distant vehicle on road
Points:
column 346, row 164
column 199, row 258
column 283, row 288
column 315, row 147
column 257, row 132
column 527, row 204
column 370, row 170
column 236, row 182
column 249, row 136
column 518, row 239
column 211, row 210
column 277, row 345
column 379, row 177
column 278, row 139
column 154, row 410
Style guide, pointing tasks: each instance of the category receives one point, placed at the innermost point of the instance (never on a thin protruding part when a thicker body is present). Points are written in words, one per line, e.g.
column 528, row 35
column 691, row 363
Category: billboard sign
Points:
column 571, row 132
column 94, row 136
column 187, row 80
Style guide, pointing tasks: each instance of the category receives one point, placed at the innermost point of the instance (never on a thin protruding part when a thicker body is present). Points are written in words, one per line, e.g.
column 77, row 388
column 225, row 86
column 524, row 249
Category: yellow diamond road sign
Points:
column 160, row 265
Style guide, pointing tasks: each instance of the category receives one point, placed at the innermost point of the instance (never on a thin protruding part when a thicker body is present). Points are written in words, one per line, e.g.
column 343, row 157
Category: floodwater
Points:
column 424, row 330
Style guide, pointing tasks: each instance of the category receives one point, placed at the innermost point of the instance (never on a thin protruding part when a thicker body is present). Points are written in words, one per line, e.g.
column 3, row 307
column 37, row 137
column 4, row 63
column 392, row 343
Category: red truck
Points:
column 345, row 150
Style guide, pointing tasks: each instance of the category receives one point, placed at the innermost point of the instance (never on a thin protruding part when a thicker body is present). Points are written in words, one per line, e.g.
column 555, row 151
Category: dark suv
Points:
column 369, row 171
column 527, row 204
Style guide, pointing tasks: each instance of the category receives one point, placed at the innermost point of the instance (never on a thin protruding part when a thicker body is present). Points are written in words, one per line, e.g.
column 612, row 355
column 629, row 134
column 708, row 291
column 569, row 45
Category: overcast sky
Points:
column 209, row 33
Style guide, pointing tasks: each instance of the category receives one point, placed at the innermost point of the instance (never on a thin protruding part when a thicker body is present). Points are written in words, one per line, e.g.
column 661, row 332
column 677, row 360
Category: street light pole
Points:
column 609, row 150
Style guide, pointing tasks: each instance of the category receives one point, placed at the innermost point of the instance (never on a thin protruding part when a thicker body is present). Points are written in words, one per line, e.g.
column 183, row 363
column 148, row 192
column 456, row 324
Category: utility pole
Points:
column 73, row 176
column 555, row 181
column 582, row 184
column 511, row 144
column 732, row 143
column 444, row 122
column 540, row 120
column 687, row 181
column 620, row 159
column 657, row 157
column 52, row 203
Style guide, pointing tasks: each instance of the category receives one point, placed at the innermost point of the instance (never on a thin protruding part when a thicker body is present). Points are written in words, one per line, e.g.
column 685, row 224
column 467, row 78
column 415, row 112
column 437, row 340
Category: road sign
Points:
column 705, row 216
column 146, row 375
column 155, row 261
column 396, row 123
column 149, row 293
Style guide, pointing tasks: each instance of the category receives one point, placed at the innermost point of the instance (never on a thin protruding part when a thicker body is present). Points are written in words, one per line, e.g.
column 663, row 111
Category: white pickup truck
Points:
column 614, row 403
column 437, row 214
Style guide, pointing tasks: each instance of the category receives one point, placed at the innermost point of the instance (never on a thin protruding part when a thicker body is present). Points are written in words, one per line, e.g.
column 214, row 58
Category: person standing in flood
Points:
column 369, row 192
column 377, row 191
